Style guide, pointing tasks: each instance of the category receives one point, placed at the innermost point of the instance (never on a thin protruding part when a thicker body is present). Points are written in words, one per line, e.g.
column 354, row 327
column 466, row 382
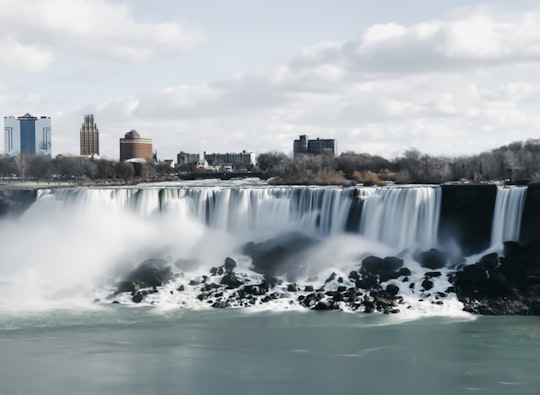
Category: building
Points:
column 238, row 161
column 27, row 135
column 184, row 158
column 300, row 146
column 132, row 146
column 304, row 146
column 89, row 137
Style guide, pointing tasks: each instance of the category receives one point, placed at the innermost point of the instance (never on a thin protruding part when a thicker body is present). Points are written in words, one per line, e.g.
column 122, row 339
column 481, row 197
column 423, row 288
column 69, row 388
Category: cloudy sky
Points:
column 447, row 77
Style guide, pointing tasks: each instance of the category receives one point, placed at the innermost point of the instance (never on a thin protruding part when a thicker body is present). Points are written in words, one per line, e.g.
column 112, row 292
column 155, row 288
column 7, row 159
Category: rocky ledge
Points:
column 507, row 284
column 495, row 285
column 374, row 285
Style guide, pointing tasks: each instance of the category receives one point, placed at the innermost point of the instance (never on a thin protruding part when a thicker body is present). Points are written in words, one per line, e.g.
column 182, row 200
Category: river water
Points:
column 143, row 350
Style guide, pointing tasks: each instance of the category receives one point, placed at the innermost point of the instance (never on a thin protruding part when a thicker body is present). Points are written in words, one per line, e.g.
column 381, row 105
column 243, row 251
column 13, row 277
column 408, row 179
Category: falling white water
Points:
column 402, row 217
column 242, row 211
column 507, row 215
column 79, row 241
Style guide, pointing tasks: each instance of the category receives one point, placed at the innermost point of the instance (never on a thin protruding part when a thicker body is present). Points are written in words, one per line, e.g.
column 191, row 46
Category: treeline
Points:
column 80, row 169
column 518, row 162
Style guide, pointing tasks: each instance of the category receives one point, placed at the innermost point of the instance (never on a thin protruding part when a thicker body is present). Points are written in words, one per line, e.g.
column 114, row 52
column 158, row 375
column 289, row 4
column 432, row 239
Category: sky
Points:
column 447, row 77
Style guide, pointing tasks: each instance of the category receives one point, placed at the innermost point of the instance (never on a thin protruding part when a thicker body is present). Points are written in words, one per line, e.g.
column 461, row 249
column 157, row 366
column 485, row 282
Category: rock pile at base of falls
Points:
column 374, row 284
column 509, row 284
column 145, row 279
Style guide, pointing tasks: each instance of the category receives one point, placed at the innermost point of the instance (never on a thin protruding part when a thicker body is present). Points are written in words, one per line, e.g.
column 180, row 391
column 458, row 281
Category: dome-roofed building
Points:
column 132, row 134
column 133, row 146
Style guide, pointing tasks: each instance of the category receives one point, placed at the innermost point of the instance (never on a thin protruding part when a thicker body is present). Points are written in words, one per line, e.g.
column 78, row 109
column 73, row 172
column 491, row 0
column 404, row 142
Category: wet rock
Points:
column 404, row 271
column 353, row 275
column 368, row 281
column 231, row 281
column 217, row 271
column 331, row 278
column 386, row 269
column 324, row 305
column 150, row 273
column 369, row 304
column 229, row 265
column 256, row 290
column 392, row 289
column 427, row 284
column 221, row 304
column 432, row 259
column 137, row 298
column 489, row 261
column 280, row 255
column 507, row 285
column 292, row 288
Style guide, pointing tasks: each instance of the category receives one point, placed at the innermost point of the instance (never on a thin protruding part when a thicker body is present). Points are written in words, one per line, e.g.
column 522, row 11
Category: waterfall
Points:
column 402, row 217
column 509, row 206
column 238, row 209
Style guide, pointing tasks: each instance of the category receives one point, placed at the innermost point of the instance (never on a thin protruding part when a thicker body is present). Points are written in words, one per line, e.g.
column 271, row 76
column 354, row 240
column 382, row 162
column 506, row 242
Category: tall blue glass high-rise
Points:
column 27, row 135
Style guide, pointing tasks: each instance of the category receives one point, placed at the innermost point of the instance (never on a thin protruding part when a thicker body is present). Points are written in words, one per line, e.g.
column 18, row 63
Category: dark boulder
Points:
column 371, row 265
column 331, row 278
column 280, row 255
column 324, row 305
column 427, row 284
column 353, row 275
column 229, row 265
column 292, row 288
column 392, row 289
column 231, row 281
column 126, row 286
column 137, row 298
column 386, row 269
column 150, row 273
column 404, row 271
column 311, row 299
column 217, row 271
column 489, row 261
column 221, row 304
column 432, row 259
column 368, row 281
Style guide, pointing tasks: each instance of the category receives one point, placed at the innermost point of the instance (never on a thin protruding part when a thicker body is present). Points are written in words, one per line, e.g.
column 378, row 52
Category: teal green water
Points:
column 122, row 350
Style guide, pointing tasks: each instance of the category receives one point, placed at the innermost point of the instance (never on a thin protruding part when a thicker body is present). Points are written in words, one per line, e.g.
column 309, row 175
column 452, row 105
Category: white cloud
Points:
column 475, row 36
column 391, row 88
column 29, row 58
column 102, row 29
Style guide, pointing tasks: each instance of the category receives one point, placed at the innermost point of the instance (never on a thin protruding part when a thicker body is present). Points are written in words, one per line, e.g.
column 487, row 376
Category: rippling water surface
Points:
column 121, row 350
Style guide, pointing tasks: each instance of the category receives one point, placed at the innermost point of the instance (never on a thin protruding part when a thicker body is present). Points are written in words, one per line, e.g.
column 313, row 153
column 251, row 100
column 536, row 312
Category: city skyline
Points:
column 453, row 78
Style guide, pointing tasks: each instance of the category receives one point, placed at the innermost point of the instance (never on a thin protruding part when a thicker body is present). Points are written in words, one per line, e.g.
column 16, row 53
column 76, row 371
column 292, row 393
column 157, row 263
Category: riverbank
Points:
column 34, row 185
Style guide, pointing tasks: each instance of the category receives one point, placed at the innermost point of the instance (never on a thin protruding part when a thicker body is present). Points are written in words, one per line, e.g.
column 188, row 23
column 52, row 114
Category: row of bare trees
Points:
column 518, row 162
column 78, row 169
